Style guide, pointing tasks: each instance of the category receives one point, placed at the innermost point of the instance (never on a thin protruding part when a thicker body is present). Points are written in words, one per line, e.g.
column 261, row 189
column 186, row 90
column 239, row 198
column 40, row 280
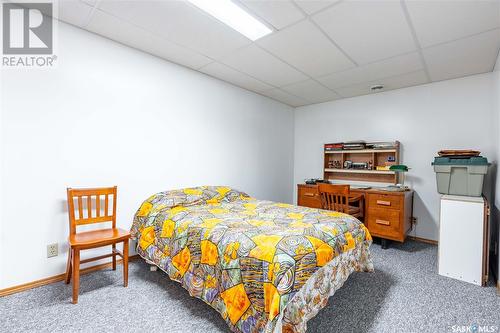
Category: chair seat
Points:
column 354, row 210
column 98, row 237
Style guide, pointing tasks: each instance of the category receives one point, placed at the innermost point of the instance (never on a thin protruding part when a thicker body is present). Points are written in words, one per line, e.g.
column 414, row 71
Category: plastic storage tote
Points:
column 460, row 176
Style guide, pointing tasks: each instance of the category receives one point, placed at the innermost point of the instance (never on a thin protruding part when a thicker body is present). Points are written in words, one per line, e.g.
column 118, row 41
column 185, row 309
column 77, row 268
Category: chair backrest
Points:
column 334, row 197
column 89, row 208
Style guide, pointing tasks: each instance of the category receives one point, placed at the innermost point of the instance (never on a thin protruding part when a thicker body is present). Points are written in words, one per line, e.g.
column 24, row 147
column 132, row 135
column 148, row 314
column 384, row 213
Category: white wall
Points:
column 496, row 103
column 1, row 187
column 425, row 119
column 496, row 206
column 111, row 115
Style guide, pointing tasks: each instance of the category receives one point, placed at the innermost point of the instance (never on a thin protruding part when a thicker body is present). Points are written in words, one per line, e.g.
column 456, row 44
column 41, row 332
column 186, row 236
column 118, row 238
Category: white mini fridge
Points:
column 463, row 238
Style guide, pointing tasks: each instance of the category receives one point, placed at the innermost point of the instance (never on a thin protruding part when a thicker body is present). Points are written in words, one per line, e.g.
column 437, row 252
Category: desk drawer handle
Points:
column 384, row 222
column 383, row 203
column 309, row 194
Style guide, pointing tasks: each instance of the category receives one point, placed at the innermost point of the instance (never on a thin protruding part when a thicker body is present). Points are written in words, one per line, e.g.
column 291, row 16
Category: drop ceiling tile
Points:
column 373, row 71
column 113, row 28
column 263, row 66
column 285, row 97
column 368, row 30
column 74, row 12
column 442, row 21
column 277, row 13
column 463, row 57
column 181, row 23
column 126, row 9
column 230, row 75
column 311, row 91
column 391, row 83
column 88, row 2
column 313, row 6
column 305, row 47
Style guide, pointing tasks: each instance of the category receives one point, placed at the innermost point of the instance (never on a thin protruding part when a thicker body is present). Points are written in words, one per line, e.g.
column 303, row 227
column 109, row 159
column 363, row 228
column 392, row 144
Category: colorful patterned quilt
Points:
column 264, row 266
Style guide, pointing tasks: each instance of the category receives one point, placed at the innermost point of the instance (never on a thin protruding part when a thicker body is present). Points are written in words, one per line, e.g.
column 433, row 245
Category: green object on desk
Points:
column 402, row 169
column 399, row 168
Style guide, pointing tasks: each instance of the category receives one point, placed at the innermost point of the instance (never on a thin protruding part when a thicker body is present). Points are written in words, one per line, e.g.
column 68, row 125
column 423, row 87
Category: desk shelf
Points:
column 371, row 157
column 360, row 151
column 380, row 172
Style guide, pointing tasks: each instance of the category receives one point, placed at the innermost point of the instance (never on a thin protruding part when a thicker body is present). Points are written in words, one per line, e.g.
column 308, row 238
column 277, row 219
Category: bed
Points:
column 264, row 266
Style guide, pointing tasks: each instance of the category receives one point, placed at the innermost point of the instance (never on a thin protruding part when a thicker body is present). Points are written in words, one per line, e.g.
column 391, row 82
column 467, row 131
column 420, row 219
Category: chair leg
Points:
column 113, row 250
column 76, row 274
column 125, row 263
column 68, row 266
column 362, row 207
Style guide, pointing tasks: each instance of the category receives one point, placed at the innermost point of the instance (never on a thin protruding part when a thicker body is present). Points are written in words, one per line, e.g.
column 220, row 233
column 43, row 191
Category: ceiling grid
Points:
column 318, row 50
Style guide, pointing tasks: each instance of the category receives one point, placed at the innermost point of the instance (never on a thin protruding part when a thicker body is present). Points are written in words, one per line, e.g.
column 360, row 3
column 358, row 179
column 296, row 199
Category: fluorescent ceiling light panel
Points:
column 234, row 16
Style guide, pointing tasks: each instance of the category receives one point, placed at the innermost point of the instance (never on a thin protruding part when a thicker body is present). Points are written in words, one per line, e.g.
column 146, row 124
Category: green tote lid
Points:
column 475, row 160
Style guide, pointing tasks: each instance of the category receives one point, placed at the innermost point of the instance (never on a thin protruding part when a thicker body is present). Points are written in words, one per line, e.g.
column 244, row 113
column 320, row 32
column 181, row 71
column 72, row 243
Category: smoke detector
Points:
column 376, row 87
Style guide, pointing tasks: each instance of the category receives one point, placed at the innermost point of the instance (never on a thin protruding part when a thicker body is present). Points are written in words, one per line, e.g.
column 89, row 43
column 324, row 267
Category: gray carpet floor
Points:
column 404, row 294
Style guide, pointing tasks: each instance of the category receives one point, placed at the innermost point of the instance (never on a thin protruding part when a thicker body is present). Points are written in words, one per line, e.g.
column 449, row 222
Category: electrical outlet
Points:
column 414, row 220
column 52, row 250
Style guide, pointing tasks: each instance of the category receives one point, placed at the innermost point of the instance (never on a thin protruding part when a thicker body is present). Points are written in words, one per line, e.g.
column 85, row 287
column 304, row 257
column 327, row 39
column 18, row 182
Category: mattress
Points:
column 264, row 266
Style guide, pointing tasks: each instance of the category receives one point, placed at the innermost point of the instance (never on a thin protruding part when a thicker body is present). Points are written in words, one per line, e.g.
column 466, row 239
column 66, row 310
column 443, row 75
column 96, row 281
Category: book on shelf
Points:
column 357, row 145
column 334, row 146
column 381, row 145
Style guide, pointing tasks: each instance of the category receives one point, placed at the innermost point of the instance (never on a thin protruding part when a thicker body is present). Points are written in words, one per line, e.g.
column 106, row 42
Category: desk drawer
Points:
column 385, row 201
column 309, row 197
column 383, row 221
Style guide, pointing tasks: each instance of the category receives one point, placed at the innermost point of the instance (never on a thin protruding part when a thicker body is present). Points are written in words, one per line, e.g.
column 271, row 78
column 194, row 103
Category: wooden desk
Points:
column 388, row 214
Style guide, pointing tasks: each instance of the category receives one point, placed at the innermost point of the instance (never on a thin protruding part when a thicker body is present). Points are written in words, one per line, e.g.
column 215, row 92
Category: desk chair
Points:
column 338, row 198
column 96, row 238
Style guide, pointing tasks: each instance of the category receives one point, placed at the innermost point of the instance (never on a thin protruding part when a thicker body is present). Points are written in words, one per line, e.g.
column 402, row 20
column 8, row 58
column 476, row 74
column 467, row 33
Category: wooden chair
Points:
column 338, row 198
column 96, row 238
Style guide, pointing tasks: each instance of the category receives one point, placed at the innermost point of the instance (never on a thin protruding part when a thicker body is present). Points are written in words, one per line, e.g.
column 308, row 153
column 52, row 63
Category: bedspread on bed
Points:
column 264, row 266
